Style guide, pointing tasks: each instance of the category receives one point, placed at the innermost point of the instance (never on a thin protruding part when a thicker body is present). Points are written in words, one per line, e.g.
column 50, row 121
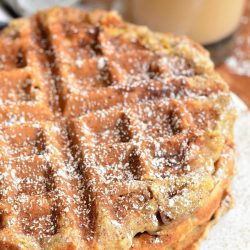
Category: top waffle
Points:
column 107, row 130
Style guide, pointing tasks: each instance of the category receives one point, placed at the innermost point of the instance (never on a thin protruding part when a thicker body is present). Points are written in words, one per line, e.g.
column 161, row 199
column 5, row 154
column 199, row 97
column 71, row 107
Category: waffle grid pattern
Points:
column 93, row 121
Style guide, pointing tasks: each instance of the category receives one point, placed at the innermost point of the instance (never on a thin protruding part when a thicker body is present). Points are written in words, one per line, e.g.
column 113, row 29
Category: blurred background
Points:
column 222, row 26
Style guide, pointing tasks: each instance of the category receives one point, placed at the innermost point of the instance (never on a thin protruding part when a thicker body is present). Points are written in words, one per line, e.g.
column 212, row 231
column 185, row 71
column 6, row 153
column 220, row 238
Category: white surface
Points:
column 4, row 17
column 232, row 232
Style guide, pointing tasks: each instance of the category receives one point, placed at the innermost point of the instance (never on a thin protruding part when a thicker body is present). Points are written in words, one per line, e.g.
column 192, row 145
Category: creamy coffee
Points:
column 205, row 21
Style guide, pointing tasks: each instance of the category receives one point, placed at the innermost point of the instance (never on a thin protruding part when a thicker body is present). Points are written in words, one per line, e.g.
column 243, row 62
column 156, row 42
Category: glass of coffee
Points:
column 209, row 22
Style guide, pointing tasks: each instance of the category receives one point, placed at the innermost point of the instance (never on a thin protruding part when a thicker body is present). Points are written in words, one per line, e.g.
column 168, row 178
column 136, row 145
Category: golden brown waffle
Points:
column 111, row 136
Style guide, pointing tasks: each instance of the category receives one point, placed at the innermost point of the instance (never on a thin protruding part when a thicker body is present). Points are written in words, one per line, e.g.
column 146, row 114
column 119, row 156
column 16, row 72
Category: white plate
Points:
column 232, row 232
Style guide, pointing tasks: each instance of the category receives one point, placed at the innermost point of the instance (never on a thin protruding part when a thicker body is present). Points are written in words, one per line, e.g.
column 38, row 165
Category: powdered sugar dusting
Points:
column 101, row 134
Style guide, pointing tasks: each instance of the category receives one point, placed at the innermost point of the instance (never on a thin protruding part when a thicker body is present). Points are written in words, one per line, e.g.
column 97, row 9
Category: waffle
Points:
column 111, row 136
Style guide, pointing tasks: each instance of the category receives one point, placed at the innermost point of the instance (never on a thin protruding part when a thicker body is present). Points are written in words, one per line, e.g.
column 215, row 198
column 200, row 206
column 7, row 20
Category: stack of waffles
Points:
column 111, row 136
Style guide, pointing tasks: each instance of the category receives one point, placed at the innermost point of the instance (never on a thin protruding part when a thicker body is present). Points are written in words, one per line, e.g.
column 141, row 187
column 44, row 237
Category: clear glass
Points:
column 205, row 21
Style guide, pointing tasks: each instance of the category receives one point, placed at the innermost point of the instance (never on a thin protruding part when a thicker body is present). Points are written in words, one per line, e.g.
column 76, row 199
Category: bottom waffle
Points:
column 188, row 233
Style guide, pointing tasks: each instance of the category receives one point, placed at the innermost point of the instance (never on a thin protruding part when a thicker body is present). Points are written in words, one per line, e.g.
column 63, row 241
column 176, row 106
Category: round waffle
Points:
column 111, row 136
